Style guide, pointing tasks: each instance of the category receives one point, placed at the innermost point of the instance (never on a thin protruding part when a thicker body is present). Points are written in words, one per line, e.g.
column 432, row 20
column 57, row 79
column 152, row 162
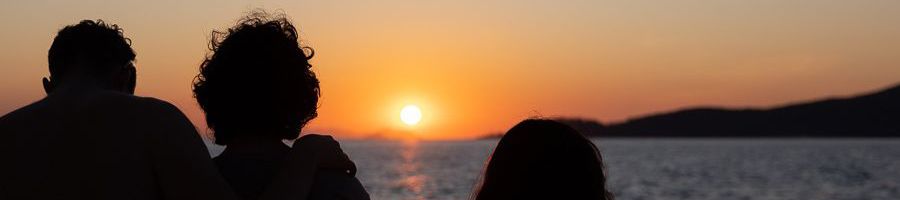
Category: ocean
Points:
column 639, row 169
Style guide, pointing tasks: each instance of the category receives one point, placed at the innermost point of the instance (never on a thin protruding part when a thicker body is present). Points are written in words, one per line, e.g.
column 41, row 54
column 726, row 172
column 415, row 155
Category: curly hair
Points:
column 257, row 80
column 103, row 46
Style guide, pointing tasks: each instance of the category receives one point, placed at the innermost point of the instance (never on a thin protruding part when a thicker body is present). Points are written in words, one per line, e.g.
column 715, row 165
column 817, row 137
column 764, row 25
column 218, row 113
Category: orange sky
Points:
column 477, row 67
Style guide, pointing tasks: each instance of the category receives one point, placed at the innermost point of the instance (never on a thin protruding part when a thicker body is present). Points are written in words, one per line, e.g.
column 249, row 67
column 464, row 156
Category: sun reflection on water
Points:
column 412, row 179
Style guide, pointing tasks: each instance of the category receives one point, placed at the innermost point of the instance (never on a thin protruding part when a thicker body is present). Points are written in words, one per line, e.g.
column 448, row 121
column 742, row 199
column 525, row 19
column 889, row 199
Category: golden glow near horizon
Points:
column 411, row 115
column 477, row 67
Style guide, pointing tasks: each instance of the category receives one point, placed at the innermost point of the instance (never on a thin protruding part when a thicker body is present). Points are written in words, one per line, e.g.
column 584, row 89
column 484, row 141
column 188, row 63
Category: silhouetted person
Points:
column 257, row 89
column 544, row 159
column 90, row 138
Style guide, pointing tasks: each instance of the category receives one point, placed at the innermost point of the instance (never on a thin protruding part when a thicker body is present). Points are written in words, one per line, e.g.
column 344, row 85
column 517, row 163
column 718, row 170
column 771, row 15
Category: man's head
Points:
column 257, row 81
column 91, row 51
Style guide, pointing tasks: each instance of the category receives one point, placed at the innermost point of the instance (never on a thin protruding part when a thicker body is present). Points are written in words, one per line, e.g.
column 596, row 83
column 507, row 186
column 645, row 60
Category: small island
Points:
column 874, row 114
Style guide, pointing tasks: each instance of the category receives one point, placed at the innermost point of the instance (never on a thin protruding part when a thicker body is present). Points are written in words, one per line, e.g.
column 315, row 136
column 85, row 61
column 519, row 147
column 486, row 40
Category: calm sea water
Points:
column 655, row 168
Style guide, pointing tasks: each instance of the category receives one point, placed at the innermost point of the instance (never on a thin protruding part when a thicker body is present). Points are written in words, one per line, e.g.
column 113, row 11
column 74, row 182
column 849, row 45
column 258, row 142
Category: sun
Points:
column 411, row 115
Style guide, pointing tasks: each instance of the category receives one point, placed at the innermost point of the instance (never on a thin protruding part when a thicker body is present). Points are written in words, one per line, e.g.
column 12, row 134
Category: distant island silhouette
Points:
column 869, row 115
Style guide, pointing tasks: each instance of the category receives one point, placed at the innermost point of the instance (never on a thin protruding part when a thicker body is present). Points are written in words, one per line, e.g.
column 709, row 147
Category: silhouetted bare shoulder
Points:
column 63, row 142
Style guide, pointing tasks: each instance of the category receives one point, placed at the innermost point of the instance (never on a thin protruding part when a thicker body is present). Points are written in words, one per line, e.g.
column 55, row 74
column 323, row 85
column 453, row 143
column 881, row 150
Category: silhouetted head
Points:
column 257, row 81
column 94, row 52
column 544, row 159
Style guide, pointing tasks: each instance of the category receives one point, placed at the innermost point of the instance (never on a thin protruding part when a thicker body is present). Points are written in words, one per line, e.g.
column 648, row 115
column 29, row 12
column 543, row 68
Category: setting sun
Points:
column 411, row 115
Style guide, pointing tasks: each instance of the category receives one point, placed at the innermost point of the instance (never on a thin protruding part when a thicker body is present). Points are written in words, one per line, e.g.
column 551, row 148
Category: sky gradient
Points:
column 477, row 67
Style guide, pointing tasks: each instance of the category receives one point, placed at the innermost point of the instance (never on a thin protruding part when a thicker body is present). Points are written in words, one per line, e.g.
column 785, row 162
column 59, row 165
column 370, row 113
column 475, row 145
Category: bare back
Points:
column 104, row 145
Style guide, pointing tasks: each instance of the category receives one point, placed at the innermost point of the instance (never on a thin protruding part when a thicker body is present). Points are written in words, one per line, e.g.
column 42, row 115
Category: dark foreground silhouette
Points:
column 870, row 115
column 544, row 159
column 256, row 89
column 90, row 138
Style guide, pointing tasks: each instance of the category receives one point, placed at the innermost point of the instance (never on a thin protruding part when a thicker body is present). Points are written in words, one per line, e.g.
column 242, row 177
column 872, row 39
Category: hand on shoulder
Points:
column 325, row 151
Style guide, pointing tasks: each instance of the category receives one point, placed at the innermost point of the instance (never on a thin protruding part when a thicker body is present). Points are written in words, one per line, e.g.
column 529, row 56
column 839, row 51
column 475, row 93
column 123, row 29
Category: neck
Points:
column 78, row 83
column 253, row 144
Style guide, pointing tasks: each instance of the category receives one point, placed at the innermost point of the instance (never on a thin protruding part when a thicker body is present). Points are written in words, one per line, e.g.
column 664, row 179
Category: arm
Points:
column 181, row 162
column 186, row 172
column 309, row 154
column 354, row 190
